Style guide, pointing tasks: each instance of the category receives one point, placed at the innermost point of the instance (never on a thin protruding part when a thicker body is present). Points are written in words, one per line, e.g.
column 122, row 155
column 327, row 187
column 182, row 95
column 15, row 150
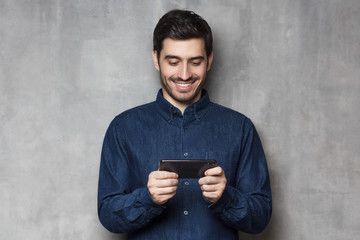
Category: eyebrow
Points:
column 177, row 57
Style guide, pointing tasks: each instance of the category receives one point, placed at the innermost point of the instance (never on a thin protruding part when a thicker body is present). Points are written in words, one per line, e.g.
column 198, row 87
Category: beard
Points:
column 186, row 99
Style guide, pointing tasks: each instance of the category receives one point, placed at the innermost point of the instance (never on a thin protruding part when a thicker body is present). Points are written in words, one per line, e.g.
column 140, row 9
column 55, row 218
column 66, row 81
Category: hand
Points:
column 213, row 184
column 162, row 186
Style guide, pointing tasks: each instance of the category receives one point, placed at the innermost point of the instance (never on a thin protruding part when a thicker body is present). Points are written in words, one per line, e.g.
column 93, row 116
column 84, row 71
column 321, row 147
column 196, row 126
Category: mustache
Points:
column 178, row 79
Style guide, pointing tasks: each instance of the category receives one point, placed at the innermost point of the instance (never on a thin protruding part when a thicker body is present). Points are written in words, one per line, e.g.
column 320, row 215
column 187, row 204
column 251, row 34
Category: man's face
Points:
column 182, row 65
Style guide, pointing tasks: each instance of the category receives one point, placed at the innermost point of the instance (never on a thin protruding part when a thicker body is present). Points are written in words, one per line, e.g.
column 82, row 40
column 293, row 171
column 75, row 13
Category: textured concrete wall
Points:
column 68, row 67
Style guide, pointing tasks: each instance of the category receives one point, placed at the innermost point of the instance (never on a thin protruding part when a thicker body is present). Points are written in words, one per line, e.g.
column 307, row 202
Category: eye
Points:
column 196, row 63
column 172, row 63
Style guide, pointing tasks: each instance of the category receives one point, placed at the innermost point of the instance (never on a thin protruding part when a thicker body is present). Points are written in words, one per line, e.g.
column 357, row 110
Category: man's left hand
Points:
column 213, row 184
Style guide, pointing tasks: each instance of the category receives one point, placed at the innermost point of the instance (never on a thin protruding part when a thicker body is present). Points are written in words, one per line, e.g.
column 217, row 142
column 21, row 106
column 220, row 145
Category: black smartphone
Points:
column 190, row 168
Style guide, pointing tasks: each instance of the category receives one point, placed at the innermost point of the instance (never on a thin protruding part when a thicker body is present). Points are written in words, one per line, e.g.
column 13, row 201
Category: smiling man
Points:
column 182, row 65
column 136, row 198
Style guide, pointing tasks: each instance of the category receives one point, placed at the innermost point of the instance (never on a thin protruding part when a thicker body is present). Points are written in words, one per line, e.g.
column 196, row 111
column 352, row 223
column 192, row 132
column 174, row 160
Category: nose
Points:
column 184, row 72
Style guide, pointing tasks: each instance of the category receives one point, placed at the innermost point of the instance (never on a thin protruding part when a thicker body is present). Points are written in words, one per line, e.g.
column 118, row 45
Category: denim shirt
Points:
column 139, row 138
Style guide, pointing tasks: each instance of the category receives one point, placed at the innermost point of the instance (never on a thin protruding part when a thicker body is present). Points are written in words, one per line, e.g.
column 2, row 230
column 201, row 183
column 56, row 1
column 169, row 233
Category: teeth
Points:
column 183, row 84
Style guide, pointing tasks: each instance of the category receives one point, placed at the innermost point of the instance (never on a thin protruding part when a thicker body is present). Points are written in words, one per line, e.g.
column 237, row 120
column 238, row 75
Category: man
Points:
column 136, row 198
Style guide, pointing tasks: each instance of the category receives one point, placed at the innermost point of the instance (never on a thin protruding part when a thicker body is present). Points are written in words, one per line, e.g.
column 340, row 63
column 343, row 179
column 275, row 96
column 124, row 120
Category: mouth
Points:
column 182, row 85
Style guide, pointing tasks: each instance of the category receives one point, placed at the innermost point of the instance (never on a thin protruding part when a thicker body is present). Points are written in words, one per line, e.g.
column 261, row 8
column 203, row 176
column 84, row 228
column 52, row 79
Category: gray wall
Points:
column 68, row 67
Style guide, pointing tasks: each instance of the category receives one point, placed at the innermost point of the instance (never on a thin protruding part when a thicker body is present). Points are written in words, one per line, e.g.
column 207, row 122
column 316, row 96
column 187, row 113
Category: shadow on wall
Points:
column 113, row 236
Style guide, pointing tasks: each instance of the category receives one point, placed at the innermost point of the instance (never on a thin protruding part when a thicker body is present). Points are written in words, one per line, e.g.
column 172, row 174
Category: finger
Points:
column 216, row 171
column 162, row 183
column 164, row 191
column 165, row 175
column 161, row 199
column 211, row 196
column 209, row 188
column 209, row 180
column 166, row 183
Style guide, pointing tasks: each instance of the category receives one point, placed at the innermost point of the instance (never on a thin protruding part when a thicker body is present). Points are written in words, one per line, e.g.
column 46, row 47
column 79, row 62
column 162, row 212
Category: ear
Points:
column 209, row 62
column 155, row 59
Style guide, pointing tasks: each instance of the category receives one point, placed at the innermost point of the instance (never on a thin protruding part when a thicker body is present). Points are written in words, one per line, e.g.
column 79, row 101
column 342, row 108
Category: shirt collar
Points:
column 194, row 111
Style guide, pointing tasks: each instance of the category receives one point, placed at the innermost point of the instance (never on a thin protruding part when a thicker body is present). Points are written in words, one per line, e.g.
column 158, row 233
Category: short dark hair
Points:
column 182, row 25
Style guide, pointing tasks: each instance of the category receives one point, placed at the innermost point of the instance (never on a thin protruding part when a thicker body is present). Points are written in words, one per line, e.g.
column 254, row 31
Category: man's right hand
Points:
column 162, row 186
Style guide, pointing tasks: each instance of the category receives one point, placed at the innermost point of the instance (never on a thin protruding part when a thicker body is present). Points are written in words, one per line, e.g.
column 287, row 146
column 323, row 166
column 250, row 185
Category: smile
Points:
column 183, row 84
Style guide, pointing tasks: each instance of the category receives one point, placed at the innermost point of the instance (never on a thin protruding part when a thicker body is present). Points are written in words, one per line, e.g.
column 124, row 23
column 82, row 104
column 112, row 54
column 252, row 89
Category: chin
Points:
column 185, row 98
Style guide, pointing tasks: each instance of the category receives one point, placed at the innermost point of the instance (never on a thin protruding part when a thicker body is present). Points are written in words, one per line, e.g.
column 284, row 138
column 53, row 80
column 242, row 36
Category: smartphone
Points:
column 190, row 168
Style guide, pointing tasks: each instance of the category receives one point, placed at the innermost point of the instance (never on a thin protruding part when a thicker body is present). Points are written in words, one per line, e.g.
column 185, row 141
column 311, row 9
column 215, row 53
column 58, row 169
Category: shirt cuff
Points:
column 147, row 200
column 225, row 200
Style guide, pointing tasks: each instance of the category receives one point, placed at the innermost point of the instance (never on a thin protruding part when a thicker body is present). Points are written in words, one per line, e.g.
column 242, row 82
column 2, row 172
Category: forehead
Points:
column 183, row 48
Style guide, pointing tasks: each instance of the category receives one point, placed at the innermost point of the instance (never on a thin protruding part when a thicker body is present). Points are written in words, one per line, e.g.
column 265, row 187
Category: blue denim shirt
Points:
column 138, row 138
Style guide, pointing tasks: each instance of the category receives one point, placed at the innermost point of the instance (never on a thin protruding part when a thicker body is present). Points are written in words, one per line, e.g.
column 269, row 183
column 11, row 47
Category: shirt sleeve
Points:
column 120, row 208
column 247, row 205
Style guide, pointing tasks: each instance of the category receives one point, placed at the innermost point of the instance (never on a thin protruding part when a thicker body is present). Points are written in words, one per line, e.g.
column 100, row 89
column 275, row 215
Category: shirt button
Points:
column 186, row 213
column 186, row 154
column 186, row 183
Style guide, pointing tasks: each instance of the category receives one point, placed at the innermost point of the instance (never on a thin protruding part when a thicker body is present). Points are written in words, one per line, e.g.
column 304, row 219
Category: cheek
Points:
column 201, row 72
column 168, row 72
